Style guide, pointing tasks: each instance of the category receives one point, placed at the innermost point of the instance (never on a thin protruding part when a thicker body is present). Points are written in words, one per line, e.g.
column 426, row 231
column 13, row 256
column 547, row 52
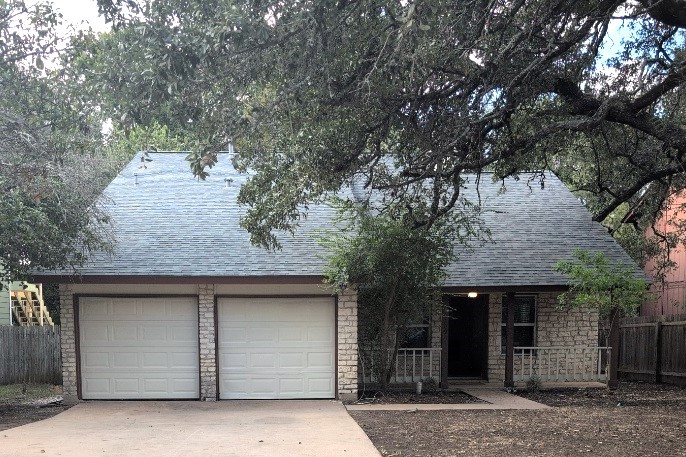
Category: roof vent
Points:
column 135, row 178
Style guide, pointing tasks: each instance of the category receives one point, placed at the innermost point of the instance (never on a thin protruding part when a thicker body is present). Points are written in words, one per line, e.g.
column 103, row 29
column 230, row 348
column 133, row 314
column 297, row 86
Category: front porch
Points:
column 467, row 342
column 546, row 365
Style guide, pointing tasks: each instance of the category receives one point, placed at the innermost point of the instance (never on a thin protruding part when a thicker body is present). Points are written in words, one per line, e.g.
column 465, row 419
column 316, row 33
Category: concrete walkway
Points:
column 496, row 398
column 188, row 429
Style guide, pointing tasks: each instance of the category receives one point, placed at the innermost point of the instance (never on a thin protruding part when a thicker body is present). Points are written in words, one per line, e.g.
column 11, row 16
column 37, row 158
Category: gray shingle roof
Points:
column 171, row 224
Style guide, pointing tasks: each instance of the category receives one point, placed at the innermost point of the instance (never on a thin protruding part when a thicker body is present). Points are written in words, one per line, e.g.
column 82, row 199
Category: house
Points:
column 21, row 303
column 669, row 295
column 185, row 307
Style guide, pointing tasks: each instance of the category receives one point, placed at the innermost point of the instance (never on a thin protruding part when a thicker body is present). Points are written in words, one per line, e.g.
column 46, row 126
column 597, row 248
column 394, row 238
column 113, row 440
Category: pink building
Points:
column 670, row 294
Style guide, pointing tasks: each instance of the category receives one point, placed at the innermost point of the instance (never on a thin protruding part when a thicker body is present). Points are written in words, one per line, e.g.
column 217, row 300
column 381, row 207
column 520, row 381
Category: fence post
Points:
column 613, row 380
column 658, row 352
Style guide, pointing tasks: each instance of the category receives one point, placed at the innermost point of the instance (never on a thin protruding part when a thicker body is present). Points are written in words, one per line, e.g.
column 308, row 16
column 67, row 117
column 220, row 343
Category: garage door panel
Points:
column 234, row 334
column 154, row 333
column 183, row 334
column 319, row 360
column 154, row 360
column 96, row 332
column 291, row 360
column 292, row 334
column 126, row 386
column 320, row 385
column 265, row 387
column 276, row 348
column 189, row 385
column 291, row 386
column 262, row 360
column 124, row 308
column 121, row 332
column 96, row 308
column 184, row 360
column 261, row 335
column 233, row 361
column 97, row 387
column 320, row 334
column 155, row 385
column 136, row 351
column 284, row 387
column 96, row 360
column 125, row 360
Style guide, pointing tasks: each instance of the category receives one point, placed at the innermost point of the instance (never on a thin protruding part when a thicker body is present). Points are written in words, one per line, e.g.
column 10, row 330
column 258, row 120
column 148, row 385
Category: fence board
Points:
column 653, row 348
column 30, row 354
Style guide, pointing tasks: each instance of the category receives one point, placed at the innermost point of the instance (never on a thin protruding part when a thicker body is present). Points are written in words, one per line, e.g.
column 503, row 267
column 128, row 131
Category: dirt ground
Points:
column 636, row 420
column 19, row 408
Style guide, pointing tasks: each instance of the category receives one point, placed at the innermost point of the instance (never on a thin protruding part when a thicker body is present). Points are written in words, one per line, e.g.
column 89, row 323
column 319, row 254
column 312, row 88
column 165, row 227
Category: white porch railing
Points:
column 411, row 365
column 561, row 363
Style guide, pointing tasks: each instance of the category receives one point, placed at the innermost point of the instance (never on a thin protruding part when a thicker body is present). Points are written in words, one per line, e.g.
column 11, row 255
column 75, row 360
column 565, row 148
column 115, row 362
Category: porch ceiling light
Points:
column 472, row 294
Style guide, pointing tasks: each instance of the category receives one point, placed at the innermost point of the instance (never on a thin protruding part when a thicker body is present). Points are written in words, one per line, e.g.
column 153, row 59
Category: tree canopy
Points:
column 408, row 96
column 397, row 270
column 597, row 283
column 49, row 174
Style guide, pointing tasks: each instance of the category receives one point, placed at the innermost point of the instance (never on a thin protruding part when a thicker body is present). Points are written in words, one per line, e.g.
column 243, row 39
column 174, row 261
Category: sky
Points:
column 76, row 12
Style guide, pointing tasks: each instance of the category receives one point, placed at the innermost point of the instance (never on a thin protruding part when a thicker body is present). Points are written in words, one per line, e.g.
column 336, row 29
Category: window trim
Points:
column 533, row 324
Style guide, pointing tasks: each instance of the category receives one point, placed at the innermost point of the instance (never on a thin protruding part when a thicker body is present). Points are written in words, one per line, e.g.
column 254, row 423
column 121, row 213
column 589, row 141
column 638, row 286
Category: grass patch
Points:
column 33, row 391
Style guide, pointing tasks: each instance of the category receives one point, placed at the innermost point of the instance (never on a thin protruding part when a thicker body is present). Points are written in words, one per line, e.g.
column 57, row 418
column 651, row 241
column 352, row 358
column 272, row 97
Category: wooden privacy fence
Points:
column 30, row 354
column 653, row 349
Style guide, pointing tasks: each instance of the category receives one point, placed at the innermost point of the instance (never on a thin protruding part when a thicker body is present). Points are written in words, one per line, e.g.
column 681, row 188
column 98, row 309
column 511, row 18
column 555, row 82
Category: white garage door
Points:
column 139, row 348
column 276, row 348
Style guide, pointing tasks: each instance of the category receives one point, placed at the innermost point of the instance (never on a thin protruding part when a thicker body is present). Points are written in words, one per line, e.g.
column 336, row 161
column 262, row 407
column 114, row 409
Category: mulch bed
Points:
column 636, row 420
column 629, row 394
column 409, row 397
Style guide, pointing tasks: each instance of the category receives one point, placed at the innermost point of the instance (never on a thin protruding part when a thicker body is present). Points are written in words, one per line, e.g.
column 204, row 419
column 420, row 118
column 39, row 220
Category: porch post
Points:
column 613, row 380
column 445, row 323
column 509, row 339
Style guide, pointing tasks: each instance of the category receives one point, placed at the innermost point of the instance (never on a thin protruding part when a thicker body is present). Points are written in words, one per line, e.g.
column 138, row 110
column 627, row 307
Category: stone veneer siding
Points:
column 68, row 343
column 436, row 338
column 346, row 329
column 207, row 332
column 554, row 327
column 347, row 345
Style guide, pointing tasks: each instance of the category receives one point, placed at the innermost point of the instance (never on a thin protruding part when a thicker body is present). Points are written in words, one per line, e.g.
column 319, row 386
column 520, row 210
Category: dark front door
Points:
column 468, row 337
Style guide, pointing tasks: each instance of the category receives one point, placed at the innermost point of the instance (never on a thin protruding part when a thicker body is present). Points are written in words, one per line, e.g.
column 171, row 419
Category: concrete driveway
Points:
column 186, row 429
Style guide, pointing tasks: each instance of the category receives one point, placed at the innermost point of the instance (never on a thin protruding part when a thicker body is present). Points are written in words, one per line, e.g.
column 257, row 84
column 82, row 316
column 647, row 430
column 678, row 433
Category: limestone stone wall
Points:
column 436, row 338
column 554, row 327
column 496, row 360
column 347, row 345
column 207, row 333
column 68, row 343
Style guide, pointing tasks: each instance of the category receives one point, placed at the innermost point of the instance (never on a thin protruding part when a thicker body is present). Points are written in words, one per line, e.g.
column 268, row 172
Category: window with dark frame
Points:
column 416, row 336
column 524, row 322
